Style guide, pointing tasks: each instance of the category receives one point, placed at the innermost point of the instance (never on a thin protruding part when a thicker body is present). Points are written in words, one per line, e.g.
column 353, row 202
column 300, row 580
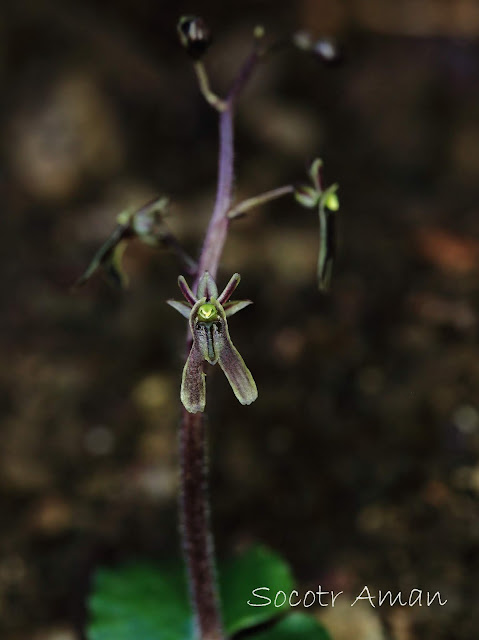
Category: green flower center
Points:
column 207, row 312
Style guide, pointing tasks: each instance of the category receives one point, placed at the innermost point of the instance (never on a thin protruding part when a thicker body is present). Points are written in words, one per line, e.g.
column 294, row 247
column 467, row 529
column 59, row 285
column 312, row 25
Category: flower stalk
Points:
column 196, row 527
column 243, row 207
column 194, row 505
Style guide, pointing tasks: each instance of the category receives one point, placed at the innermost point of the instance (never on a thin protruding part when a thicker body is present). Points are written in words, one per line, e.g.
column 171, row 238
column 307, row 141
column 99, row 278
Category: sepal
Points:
column 207, row 287
column 306, row 196
column 234, row 306
column 181, row 307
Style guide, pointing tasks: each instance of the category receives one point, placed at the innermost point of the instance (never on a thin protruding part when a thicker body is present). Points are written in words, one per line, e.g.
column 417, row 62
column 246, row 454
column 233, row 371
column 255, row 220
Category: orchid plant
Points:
column 207, row 310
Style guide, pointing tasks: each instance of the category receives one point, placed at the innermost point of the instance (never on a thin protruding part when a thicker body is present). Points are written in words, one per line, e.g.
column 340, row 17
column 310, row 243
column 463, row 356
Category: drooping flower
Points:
column 207, row 313
column 146, row 224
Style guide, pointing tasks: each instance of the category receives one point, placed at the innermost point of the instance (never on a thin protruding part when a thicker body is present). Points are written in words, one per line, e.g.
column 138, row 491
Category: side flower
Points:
column 146, row 224
column 207, row 313
column 326, row 201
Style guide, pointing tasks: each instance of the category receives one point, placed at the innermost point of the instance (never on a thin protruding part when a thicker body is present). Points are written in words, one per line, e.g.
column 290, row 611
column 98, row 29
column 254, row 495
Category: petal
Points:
column 235, row 305
column 106, row 259
column 193, row 387
column 186, row 291
column 229, row 289
column 181, row 307
column 113, row 266
column 306, row 196
column 316, row 173
column 207, row 287
column 327, row 247
column 238, row 374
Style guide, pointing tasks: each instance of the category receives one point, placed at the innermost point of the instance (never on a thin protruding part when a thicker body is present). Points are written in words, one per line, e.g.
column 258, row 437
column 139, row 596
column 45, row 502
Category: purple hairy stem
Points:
column 195, row 525
column 218, row 227
column 194, row 505
column 217, row 231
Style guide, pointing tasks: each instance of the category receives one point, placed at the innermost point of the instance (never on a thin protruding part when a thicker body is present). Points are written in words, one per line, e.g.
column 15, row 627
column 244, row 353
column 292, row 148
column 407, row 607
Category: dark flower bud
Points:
column 194, row 35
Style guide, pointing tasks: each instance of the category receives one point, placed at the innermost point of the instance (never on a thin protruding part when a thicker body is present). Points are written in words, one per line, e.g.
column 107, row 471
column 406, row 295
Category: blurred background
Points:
column 359, row 461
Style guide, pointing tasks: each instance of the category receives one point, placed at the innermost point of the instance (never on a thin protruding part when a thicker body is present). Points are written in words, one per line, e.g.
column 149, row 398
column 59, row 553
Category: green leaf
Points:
column 297, row 626
column 257, row 567
column 140, row 602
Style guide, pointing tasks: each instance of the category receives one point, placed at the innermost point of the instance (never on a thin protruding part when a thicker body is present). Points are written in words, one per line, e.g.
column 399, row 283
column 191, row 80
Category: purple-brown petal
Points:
column 238, row 374
column 228, row 291
column 186, row 291
column 193, row 387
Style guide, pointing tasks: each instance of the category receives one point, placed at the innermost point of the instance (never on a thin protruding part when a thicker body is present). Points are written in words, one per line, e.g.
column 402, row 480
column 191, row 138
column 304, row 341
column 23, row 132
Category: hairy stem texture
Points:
column 218, row 227
column 196, row 528
column 197, row 538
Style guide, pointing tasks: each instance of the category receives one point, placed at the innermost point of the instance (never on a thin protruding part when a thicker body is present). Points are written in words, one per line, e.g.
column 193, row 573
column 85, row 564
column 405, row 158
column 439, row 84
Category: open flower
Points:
column 207, row 313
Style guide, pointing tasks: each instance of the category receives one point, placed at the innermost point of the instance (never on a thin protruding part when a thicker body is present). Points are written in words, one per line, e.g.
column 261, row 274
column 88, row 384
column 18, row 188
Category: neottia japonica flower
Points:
column 314, row 195
column 207, row 313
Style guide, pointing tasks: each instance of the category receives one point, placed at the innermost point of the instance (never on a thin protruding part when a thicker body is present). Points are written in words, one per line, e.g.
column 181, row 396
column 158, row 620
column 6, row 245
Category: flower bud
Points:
column 194, row 35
